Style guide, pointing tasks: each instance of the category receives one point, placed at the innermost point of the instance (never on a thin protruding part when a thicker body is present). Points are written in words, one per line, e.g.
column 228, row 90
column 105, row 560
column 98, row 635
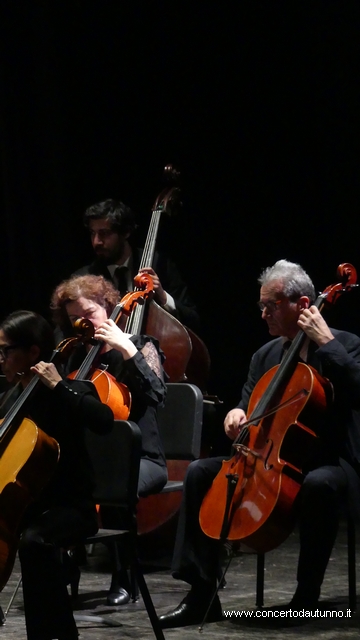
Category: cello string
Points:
column 11, row 414
column 283, row 405
column 94, row 351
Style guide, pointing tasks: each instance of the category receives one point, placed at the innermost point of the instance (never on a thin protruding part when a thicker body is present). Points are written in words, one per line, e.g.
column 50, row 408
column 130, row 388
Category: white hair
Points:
column 294, row 278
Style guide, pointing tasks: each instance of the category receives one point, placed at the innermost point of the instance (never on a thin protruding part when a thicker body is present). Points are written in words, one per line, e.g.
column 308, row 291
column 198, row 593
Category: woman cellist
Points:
column 286, row 302
column 65, row 513
column 133, row 360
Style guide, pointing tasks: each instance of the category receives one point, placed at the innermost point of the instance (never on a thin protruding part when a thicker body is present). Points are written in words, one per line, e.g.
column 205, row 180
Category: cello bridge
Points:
column 245, row 451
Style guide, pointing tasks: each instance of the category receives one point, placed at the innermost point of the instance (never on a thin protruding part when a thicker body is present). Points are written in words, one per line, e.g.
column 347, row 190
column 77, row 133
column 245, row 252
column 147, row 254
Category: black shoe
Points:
column 120, row 589
column 297, row 604
column 191, row 612
column 120, row 596
column 305, row 597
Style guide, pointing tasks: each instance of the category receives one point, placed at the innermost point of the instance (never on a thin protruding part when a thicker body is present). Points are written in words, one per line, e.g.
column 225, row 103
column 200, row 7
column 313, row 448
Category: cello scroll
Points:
column 347, row 273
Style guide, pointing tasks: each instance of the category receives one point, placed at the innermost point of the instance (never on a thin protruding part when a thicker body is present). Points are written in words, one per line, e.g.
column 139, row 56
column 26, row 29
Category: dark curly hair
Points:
column 120, row 216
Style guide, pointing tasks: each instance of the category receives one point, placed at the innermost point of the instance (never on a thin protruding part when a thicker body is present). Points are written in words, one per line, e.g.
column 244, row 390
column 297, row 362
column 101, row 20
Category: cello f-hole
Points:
column 266, row 465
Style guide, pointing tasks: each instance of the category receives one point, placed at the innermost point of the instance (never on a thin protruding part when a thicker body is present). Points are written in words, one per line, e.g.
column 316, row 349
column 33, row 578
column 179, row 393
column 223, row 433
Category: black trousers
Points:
column 152, row 478
column 48, row 610
column 196, row 556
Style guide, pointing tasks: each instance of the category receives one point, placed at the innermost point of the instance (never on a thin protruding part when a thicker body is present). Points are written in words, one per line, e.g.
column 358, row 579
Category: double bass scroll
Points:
column 152, row 319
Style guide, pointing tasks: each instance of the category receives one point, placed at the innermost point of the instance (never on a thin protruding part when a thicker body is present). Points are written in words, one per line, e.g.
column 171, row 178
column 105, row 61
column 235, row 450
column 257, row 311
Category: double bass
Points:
column 187, row 359
column 153, row 319
column 252, row 498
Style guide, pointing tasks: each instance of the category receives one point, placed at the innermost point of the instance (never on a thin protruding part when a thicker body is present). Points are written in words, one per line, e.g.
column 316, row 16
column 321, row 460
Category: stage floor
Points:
column 238, row 596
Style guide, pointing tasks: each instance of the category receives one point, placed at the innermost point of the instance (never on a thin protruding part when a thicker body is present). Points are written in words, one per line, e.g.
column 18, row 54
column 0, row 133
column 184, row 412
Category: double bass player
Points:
column 111, row 224
column 286, row 302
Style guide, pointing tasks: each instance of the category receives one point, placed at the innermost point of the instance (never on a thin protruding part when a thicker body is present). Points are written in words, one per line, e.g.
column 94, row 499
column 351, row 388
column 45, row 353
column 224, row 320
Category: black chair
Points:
column 180, row 424
column 116, row 458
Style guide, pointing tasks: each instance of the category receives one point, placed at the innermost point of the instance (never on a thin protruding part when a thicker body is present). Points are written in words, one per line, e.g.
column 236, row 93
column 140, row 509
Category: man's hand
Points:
column 160, row 294
column 233, row 421
column 313, row 324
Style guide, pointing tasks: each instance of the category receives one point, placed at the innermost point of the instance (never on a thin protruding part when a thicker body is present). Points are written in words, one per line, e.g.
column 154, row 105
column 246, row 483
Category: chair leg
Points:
column 260, row 569
column 147, row 600
column 133, row 585
column 351, row 563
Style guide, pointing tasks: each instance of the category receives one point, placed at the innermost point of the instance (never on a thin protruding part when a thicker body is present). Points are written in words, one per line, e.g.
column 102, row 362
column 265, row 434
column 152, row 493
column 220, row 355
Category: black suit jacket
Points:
column 169, row 277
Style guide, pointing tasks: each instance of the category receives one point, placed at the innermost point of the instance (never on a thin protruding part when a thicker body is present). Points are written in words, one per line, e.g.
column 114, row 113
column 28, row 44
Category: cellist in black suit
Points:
column 286, row 304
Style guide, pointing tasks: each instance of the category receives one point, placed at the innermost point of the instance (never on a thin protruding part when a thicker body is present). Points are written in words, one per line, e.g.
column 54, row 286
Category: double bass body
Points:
column 267, row 469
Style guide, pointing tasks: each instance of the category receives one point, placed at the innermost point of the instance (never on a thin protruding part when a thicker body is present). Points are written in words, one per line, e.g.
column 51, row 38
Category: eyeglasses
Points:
column 4, row 351
column 270, row 306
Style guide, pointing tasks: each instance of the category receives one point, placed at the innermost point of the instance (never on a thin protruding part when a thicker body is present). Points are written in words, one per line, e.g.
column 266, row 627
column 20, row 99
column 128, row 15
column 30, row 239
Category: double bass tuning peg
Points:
column 169, row 200
column 171, row 174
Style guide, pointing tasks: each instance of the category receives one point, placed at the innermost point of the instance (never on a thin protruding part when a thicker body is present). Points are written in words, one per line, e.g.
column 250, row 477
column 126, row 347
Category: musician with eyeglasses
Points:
column 286, row 302
column 64, row 514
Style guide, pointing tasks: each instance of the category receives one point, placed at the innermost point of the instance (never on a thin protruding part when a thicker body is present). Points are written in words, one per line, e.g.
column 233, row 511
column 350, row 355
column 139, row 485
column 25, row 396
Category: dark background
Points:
column 256, row 102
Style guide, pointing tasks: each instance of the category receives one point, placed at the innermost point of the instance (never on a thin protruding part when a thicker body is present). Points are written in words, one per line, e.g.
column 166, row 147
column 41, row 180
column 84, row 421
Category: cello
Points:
column 28, row 457
column 252, row 498
column 111, row 392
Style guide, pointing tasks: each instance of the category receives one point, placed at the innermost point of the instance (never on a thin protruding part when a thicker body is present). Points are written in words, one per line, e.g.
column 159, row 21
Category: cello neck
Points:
column 94, row 352
column 19, row 404
column 286, row 367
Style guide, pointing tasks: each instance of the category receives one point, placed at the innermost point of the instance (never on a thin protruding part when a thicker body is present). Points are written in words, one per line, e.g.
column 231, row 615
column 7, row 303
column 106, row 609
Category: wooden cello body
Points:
column 252, row 498
column 28, row 458
column 270, row 465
